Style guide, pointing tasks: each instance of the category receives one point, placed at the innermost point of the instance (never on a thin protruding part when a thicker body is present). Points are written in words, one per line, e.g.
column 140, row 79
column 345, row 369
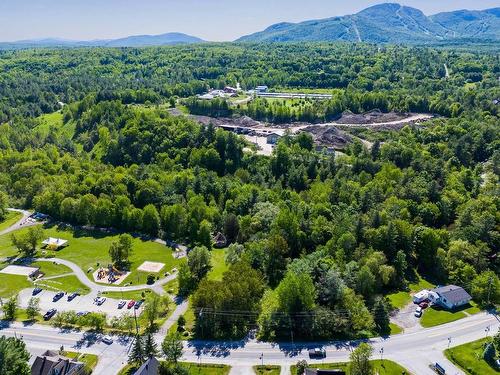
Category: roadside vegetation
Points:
column 478, row 357
column 313, row 243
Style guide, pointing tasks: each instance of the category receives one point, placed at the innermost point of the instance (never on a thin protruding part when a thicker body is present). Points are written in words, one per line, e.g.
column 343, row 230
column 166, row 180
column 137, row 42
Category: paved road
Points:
column 415, row 350
column 20, row 224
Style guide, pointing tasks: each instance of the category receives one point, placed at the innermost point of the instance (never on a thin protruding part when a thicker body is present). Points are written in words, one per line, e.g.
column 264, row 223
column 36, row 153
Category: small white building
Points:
column 261, row 89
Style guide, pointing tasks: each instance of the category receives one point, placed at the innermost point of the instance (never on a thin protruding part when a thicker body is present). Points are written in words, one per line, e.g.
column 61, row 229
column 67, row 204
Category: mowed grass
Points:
column 89, row 249
column 434, row 316
column 11, row 218
column 267, row 370
column 50, row 269
column 381, row 367
column 470, row 358
column 219, row 265
column 395, row 329
column 192, row 368
column 67, row 284
column 401, row 299
column 11, row 285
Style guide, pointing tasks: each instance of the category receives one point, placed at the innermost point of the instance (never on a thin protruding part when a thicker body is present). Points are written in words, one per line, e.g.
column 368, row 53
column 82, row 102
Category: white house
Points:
column 452, row 296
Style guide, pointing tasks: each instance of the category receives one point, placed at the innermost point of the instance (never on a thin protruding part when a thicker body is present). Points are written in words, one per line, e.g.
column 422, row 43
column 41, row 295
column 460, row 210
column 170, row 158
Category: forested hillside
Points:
column 316, row 240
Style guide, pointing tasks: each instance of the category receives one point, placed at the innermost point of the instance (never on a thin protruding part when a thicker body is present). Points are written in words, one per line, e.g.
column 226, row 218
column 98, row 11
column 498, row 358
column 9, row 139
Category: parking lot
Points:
column 80, row 303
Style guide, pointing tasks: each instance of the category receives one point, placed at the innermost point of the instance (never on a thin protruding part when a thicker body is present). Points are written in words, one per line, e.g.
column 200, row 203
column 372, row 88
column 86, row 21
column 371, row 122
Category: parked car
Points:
column 36, row 291
column 121, row 304
column 49, row 314
column 423, row 305
column 130, row 304
column 107, row 340
column 100, row 300
column 82, row 313
column 72, row 296
column 58, row 296
column 138, row 305
column 317, row 353
column 418, row 312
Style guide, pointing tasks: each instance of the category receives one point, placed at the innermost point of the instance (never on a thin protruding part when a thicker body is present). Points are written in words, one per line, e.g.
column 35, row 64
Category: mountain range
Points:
column 130, row 41
column 389, row 23
column 383, row 23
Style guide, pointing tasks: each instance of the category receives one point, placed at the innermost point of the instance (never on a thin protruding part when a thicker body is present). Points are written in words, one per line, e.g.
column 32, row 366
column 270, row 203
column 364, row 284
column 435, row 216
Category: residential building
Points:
column 450, row 296
column 150, row 367
column 310, row 371
column 261, row 89
column 272, row 138
column 51, row 363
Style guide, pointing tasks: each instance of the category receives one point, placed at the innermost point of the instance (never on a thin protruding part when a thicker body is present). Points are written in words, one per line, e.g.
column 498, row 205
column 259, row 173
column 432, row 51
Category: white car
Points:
column 121, row 304
column 100, row 300
column 418, row 312
column 107, row 340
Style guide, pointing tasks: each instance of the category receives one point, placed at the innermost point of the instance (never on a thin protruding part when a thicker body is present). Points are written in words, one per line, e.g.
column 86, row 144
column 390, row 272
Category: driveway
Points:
column 406, row 319
column 23, row 222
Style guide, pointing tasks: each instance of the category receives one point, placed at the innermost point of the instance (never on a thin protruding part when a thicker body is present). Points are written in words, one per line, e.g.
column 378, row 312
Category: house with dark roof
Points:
column 150, row 367
column 51, row 363
column 451, row 296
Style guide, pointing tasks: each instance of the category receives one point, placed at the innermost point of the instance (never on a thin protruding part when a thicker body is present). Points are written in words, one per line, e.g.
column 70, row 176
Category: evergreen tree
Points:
column 381, row 316
column 150, row 347
column 137, row 354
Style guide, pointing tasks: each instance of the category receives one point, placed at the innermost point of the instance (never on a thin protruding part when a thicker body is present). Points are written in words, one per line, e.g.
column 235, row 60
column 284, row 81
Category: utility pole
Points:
column 262, row 359
column 381, row 354
column 136, row 326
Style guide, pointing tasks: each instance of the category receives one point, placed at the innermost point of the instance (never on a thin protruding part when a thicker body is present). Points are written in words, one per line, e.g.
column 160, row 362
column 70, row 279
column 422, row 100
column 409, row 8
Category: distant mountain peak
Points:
column 388, row 23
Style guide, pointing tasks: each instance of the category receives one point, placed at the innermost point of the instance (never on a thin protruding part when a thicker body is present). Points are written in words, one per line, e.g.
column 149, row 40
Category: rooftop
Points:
column 452, row 293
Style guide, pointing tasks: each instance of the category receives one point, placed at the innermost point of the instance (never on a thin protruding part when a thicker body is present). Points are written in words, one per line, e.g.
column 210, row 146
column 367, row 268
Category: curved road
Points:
column 95, row 287
column 20, row 223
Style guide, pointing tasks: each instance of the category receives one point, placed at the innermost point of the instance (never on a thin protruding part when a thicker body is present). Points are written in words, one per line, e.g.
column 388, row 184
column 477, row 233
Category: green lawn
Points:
column 469, row 358
column 395, row 329
column 267, row 370
column 219, row 265
column 12, row 284
column 90, row 248
column 12, row 218
column 193, row 369
column 384, row 367
column 67, row 284
column 434, row 316
column 50, row 269
column 190, row 321
column 401, row 299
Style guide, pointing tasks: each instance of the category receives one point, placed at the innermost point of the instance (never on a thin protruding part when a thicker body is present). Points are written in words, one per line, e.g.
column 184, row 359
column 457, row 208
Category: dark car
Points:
column 82, row 313
column 36, row 291
column 137, row 305
column 72, row 296
column 317, row 353
column 49, row 314
column 58, row 296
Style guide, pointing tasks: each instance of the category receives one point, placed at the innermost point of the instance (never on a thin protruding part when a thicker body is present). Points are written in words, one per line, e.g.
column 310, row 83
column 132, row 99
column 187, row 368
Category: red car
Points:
column 424, row 305
column 130, row 304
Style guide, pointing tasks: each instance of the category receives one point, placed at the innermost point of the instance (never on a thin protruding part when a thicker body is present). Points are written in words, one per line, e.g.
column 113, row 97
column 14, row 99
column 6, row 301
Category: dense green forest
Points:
column 316, row 240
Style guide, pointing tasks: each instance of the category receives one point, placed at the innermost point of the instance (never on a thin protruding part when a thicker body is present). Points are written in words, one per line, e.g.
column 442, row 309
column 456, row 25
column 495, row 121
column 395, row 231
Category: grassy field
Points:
column 395, row 329
column 435, row 316
column 12, row 284
column 193, row 369
column 12, row 218
column 267, row 370
column 67, row 284
column 401, row 299
column 384, row 367
column 469, row 358
column 50, row 269
column 190, row 321
column 88, row 249
column 219, row 265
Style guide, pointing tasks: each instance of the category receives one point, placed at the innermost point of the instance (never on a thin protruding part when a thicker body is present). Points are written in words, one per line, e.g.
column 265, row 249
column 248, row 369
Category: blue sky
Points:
column 215, row 20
